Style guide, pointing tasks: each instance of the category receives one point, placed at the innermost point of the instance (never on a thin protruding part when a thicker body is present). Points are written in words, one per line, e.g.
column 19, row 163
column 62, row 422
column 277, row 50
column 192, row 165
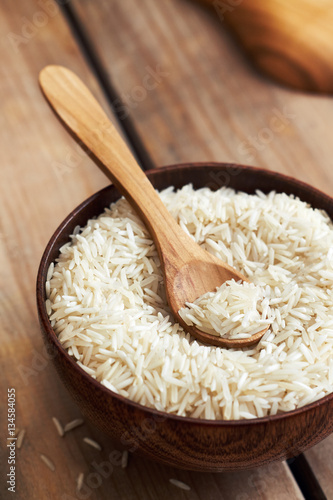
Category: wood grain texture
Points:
column 44, row 175
column 320, row 460
column 207, row 102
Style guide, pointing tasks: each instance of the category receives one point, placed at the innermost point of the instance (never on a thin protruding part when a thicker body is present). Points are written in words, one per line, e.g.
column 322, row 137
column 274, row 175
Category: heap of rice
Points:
column 106, row 302
column 235, row 310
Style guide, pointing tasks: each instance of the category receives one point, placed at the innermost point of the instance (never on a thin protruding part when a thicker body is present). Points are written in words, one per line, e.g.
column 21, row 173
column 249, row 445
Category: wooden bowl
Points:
column 187, row 443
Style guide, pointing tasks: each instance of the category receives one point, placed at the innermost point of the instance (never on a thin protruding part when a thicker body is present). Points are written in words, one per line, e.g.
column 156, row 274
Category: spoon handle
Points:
column 78, row 109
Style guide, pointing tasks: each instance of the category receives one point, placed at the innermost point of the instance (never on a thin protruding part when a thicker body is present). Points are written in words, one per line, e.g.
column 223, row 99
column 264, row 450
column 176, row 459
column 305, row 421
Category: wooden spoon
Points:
column 189, row 271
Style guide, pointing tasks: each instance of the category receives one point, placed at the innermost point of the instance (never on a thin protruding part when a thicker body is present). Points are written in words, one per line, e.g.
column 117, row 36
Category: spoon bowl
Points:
column 189, row 271
column 195, row 278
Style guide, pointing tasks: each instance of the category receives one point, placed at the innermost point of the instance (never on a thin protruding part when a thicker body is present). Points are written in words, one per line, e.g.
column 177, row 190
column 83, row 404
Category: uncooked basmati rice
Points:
column 92, row 443
column 20, row 438
column 73, row 424
column 235, row 310
column 48, row 462
column 108, row 306
column 180, row 484
column 124, row 459
column 79, row 482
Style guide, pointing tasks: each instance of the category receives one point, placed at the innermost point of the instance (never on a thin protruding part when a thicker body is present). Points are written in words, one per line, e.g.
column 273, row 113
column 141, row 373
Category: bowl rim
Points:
column 159, row 414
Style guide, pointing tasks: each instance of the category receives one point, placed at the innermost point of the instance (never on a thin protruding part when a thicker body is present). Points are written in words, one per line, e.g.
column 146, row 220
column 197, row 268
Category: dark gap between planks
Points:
column 117, row 106
column 305, row 478
column 299, row 466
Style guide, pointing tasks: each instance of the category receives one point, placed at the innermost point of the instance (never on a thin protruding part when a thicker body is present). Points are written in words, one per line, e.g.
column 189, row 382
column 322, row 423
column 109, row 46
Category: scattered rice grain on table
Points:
column 108, row 307
column 73, row 424
column 20, row 438
column 124, row 459
column 92, row 443
column 48, row 462
column 58, row 426
column 79, row 482
column 180, row 484
column 235, row 310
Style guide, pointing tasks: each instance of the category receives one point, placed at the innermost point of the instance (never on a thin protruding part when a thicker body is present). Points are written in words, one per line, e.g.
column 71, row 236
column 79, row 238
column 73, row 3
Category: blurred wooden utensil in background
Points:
column 290, row 41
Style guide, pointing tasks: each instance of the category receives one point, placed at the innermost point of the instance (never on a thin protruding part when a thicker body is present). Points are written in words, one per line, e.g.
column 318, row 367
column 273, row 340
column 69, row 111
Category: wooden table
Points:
column 179, row 89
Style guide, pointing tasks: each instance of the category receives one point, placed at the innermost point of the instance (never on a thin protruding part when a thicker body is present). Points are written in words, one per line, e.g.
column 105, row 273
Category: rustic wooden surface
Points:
column 188, row 95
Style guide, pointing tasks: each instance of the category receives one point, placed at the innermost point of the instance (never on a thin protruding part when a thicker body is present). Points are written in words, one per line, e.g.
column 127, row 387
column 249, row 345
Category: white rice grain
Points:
column 73, row 424
column 92, row 443
column 180, row 484
column 20, row 438
column 58, row 426
column 48, row 462
column 79, row 482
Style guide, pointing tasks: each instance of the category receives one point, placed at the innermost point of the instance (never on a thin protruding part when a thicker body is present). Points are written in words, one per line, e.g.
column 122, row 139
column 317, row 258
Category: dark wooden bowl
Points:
column 187, row 443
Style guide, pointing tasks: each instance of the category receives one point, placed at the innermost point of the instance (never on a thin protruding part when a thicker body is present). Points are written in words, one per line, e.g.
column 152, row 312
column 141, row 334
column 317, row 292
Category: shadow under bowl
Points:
column 187, row 443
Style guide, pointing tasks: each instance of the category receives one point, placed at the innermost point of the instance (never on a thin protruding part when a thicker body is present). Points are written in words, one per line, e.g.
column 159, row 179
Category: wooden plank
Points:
column 43, row 177
column 320, row 459
column 193, row 96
